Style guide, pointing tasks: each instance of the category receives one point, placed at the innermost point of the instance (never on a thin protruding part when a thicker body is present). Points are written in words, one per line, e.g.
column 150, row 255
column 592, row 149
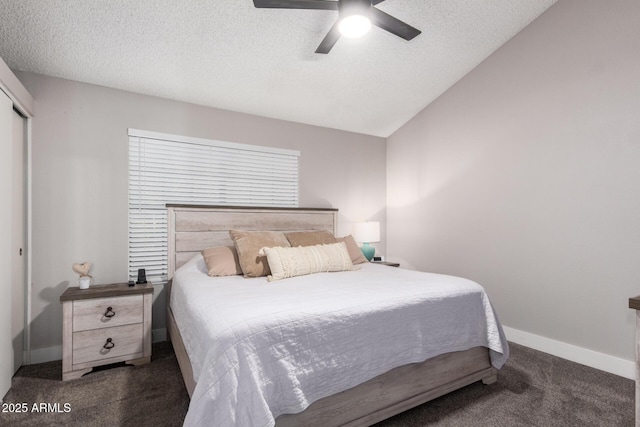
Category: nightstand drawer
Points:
column 94, row 345
column 107, row 312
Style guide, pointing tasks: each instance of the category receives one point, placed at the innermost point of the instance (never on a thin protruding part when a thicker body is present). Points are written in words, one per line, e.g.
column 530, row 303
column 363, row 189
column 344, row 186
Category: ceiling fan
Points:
column 354, row 18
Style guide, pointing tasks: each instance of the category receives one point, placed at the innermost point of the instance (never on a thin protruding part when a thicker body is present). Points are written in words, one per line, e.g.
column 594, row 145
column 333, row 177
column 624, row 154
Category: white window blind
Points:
column 176, row 169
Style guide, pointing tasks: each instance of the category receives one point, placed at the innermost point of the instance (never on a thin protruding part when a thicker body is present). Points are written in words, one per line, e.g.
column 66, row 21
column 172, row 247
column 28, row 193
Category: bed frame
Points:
column 193, row 228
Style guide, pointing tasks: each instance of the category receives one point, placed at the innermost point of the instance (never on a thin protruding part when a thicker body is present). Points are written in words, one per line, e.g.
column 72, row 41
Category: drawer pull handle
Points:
column 109, row 344
column 109, row 312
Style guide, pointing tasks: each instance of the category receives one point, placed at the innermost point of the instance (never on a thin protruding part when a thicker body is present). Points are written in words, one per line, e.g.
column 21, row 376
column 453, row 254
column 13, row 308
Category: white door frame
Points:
column 23, row 102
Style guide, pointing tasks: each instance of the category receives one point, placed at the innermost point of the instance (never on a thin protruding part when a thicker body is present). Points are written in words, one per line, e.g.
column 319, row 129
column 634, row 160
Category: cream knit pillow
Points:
column 289, row 262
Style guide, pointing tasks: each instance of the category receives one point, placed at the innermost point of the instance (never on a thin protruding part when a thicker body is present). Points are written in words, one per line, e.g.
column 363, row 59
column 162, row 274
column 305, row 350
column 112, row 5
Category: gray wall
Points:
column 525, row 176
column 80, row 160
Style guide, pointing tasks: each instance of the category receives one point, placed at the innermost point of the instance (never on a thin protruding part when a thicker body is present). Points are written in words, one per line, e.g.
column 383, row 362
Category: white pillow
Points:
column 289, row 262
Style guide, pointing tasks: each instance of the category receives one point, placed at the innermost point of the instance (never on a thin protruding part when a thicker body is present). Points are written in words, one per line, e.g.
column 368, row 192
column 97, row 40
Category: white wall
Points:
column 525, row 176
column 80, row 161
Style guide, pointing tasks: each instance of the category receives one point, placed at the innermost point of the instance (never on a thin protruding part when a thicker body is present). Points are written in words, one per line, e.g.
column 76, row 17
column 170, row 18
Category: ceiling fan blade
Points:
column 296, row 4
column 392, row 25
column 330, row 39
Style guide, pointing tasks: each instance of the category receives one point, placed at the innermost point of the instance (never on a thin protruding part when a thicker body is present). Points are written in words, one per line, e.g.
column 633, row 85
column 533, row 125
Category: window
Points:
column 176, row 169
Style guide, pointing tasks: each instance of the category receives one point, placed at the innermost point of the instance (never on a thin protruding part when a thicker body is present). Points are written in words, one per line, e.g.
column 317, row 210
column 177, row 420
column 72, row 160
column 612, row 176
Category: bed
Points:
column 317, row 387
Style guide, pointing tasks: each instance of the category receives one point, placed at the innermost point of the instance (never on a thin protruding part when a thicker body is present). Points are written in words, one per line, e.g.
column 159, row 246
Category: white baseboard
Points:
column 49, row 354
column 41, row 355
column 593, row 359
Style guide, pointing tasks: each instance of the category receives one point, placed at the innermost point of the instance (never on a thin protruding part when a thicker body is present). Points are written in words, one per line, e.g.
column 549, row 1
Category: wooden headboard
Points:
column 193, row 228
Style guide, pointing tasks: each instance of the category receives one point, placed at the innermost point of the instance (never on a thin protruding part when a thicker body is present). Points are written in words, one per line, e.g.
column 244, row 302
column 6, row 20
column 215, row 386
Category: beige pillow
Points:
column 310, row 238
column 222, row 261
column 248, row 243
column 301, row 260
column 357, row 257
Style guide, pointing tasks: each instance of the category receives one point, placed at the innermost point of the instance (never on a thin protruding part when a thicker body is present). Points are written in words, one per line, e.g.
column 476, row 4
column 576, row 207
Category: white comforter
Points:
column 261, row 349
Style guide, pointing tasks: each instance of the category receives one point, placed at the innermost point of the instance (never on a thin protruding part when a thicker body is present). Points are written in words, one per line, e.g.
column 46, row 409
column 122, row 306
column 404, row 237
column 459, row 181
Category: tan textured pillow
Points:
column 248, row 243
column 222, row 261
column 354, row 251
column 301, row 260
column 310, row 238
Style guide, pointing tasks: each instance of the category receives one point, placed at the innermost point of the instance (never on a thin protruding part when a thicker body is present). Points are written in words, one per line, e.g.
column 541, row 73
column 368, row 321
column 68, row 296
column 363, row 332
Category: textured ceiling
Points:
column 230, row 55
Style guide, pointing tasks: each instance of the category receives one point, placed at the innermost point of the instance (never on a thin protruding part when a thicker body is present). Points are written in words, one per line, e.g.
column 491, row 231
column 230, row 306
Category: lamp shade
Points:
column 367, row 232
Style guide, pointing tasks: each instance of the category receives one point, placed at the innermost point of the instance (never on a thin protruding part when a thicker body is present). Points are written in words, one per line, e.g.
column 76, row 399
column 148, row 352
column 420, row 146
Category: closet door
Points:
column 6, row 345
column 18, row 247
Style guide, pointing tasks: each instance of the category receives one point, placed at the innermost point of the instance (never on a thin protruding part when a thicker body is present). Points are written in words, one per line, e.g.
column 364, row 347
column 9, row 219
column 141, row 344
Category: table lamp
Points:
column 367, row 232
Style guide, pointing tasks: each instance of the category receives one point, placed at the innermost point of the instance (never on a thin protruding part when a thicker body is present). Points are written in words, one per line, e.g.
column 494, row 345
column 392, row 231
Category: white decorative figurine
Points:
column 83, row 270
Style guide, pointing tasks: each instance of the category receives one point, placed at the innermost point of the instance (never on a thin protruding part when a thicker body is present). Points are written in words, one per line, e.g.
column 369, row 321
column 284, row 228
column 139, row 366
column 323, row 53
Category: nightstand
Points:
column 105, row 324
column 390, row 264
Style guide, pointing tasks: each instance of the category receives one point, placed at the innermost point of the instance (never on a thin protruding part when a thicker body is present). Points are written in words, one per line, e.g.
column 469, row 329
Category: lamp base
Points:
column 368, row 251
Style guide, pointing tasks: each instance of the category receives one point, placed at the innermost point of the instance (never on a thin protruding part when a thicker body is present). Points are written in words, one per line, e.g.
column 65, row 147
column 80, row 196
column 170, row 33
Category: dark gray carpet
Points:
column 533, row 389
column 121, row 395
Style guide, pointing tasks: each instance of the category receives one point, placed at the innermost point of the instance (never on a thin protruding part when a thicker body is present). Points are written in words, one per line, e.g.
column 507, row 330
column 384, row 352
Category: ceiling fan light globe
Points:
column 354, row 26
